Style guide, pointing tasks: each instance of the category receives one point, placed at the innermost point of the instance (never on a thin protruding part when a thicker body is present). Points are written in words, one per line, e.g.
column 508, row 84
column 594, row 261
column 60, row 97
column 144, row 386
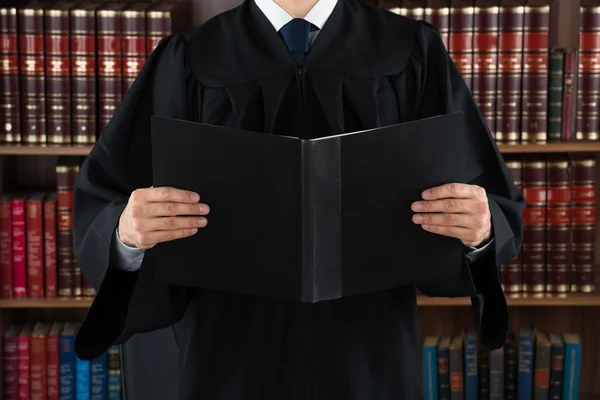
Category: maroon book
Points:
column 33, row 82
column 24, row 358
column 10, row 106
column 64, row 237
column 6, row 257
column 510, row 70
column 461, row 39
column 110, row 61
column 34, row 227
column 558, row 228
column 533, row 255
column 568, row 99
column 134, row 42
column 511, row 274
column 588, row 80
column 19, row 244
column 38, row 365
column 166, row 18
column 485, row 59
column 584, row 222
column 534, row 117
column 50, row 245
column 10, row 362
column 440, row 18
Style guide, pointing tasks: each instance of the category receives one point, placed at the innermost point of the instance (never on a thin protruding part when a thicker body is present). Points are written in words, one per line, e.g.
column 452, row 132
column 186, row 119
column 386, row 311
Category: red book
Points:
column 134, row 42
column 64, row 242
column 50, row 245
column 10, row 110
column 568, row 99
column 533, row 255
column 511, row 274
column 24, row 357
column 39, row 381
column 440, row 18
column 110, row 67
column 33, row 83
column 34, row 227
column 588, row 82
column 534, row 117
column 485, row 60
column 166, row 18
column 510, row 70
column 58, row 73
column 558, row 232
column 461, row 39
column 83, row 73
column 6, row 258
column 52, row 359
column 584, row 222
column 19, row 246
column 11, row 363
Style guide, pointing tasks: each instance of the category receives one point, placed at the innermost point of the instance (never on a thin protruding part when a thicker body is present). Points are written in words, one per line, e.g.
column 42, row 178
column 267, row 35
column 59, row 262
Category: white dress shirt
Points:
column 130, row 258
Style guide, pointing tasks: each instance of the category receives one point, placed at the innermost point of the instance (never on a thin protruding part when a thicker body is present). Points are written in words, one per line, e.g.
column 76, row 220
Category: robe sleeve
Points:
column 443, row 90
column 120, row 162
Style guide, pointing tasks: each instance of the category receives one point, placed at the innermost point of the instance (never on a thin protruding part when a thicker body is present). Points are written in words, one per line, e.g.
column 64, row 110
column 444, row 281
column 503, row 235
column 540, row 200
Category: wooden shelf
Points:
column 571, row 147
column 576, row 300
column 46, row 303
column 47, row 150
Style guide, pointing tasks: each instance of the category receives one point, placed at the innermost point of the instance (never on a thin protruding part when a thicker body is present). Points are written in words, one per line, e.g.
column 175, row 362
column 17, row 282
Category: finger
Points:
column 166, row 194
column 450, row 190
column 171, row 209
column 457, row 220
column 445, row 206
column 152, row 238
column 174, row 223
column 464, row 234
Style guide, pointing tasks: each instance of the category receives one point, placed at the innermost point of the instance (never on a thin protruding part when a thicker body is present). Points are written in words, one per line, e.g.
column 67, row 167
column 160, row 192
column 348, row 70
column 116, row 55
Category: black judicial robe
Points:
column 367, row 68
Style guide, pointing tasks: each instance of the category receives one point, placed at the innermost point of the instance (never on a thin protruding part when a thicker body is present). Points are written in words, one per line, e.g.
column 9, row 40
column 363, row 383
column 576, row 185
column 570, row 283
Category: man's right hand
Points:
column 161, row 214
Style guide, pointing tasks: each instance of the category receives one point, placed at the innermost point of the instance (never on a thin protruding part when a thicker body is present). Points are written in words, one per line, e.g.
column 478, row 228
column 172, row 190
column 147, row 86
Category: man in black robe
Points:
column 356, row 67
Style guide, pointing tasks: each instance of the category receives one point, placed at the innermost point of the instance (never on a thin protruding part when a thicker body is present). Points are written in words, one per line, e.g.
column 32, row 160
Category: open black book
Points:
column 308, row 220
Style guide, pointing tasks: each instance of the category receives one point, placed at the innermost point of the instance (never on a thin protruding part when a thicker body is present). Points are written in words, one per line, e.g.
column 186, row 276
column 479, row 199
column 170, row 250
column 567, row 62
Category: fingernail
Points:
column 417, row 206
column 194, row 231
column 418, row 219
column 201, row 221
column 195, row 197
column 425, row 226
column 427, row 195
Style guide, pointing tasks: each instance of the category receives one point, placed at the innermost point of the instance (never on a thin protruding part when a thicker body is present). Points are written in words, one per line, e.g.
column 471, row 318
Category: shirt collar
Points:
column 278, row 17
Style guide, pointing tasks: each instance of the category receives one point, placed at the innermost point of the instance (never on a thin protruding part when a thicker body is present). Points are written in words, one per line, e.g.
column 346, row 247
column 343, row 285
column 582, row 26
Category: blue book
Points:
column 430, row 371
column 443, row 355
column 82, row 379
column 114, row 373
column 99, row 378
column 66, row 358
column 471, row 378
column 526, row 349
column 572, row 366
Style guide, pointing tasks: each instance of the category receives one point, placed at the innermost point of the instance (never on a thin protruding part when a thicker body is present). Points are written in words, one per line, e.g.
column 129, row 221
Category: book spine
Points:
column 83, row 78
column 485, row 60
column 35, row 251
column 568, row 100
column 572, row 371
column 497, row 374
column 99, row 378
column 158, row 25
column 134, row 46
column 33, row 82
column 114, row 373
column 10, row 108
column 471, row 387
column 439, row 17
column 511, row 273
column 443, row 373
column 67, row 367
column 525, row 377
column 555, row 95
column 18, row 250
column 52, row 353
column 6, row 257
column 110, row 67
column 510, row 370
column 64, row 205
column 556, row 373
column 484, row 374
column 542, row 371
column 510, row 70
column 58, row 76
column 23, row 356
column 534, row 226
column 50, row 247
column 10, row 368
column 38, row 368
column 82, row 379
column 558, row 232
column 461, row 41
column 588, row 81
column 584, row 223
column 457, row 388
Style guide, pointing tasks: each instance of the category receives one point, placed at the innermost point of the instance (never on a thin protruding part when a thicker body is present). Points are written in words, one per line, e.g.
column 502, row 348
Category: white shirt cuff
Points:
column 127, row 258
column 476, row 253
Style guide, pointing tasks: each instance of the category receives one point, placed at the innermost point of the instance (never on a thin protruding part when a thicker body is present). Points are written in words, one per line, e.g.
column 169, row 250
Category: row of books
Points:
column 39, row 363
column 66, row 66
column 533, row 365
column 525, row 90
column 559, row 225
column 36, row 242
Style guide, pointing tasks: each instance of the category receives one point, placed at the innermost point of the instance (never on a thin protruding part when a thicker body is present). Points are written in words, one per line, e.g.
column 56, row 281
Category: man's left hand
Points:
column 457, row 210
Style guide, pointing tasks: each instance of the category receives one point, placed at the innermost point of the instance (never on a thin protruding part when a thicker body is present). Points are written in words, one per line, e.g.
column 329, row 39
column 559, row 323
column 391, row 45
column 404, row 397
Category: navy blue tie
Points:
column 295, row 35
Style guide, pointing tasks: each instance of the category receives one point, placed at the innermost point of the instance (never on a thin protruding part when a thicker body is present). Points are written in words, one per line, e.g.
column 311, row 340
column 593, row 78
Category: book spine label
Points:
column 10, row 107
column 572, row 371
column 67, row 368
column 50, row 247
column 58, row 76
column 158, row 25
column 35, row 251
column 110, row 67
column 568, row 101
column 525, row 381
column 24, row 355
column 38, row 368
column 134, row 46
column 98, row 378
column 497, row 374
column 510, row 70
column 53, row 376
column 534, row 226
column 6, row 257
column 471, row 387
column 461, row 41
column 555, row 95
column 556, row 373
column 18, row 250
column 33, row 82
column 82, row 379
column 10, row 368
column 83, row 76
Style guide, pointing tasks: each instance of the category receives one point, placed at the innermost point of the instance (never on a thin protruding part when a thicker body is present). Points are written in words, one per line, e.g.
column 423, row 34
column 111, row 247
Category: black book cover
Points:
column 309, row 220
